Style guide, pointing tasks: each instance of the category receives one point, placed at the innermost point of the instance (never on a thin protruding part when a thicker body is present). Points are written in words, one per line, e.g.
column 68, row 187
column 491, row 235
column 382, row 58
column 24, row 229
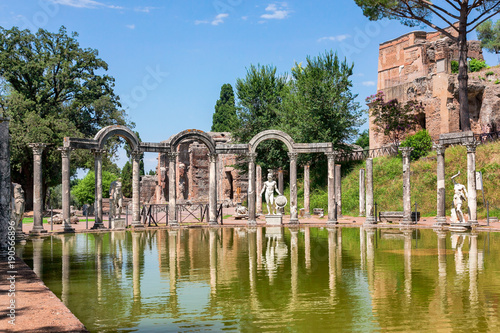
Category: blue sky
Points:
column 170, row 58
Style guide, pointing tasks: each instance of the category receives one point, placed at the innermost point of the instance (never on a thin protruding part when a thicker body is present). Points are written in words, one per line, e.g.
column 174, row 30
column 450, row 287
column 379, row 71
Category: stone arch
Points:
column 195, row 134
column 271, row 134
column 124, row 132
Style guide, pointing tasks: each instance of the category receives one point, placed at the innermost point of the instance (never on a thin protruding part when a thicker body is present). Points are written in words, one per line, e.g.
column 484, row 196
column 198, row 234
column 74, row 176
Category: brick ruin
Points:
column 417, row 66
column 193, row 175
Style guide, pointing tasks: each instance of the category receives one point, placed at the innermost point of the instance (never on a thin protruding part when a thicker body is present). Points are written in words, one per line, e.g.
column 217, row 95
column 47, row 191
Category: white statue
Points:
column 269, row 187
column 116, row 198
column 458, row 198
column 17, row 206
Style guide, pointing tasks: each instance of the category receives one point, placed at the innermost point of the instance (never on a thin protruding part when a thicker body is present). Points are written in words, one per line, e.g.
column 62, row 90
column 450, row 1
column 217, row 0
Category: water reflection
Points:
column 254, row 279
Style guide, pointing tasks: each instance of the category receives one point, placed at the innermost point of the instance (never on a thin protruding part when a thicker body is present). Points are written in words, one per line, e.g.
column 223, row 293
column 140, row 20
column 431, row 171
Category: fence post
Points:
column 376, row 218
column 488, row 213
column 416, row 218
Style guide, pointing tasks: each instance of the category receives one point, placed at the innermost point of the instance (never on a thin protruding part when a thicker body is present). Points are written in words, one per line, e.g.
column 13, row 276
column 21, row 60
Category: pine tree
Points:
column 224, row 118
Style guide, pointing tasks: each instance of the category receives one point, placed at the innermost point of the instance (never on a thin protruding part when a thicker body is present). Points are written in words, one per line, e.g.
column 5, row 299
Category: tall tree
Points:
column 224, row 118
column 468, row 13
column 51, row 89
column 489, row 35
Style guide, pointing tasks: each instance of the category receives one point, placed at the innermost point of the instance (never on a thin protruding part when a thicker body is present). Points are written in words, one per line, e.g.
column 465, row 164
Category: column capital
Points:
column 136, row 155
column 98, row 152
column 332, row 156
column 252, row 157
column 37, row 148
column 172, row 157
column 65, row 151
column 212, row 157
column 439, row 148
column 405, row 151
column 471, row 146
column 293, row 156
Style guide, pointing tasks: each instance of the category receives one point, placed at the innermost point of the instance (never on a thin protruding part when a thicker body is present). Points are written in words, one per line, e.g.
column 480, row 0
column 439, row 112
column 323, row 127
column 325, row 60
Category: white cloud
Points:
column 337, row 38
column 84, row 4
column 276, row 12
column 144, row 9
column 131, row 26
column 216, row 21
column 368, row 83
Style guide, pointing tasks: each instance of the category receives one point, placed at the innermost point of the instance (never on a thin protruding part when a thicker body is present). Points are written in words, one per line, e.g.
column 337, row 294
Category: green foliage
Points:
column 392, row 118
column 126, row 176
column 497, row 81
column 454, row 67
column 224, row 118
column 51, row 90
column 489, row 35
column 421, row 142
column 84, row 191
column 476, row 65
column 363, row 140
column 490, row 73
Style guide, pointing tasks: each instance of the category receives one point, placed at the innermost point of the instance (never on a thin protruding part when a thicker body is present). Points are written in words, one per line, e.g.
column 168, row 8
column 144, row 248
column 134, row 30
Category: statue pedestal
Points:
column 118, row 224
column 460, row 226
column 274, row 219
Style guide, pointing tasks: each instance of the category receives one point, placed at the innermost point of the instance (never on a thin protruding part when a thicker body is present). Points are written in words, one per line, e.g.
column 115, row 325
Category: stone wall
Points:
column 193, row 174
column 417, row 66
column 5, row 195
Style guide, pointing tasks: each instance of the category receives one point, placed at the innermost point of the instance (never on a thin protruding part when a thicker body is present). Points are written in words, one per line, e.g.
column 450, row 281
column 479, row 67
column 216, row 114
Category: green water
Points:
column 274, row 279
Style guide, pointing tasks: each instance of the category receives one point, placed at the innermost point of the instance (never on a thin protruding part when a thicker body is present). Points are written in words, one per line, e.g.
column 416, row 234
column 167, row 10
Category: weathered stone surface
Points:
column 395, row 216
column 5, row 195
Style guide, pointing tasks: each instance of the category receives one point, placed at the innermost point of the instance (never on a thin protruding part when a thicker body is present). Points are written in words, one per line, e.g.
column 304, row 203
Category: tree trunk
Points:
column 462, row 72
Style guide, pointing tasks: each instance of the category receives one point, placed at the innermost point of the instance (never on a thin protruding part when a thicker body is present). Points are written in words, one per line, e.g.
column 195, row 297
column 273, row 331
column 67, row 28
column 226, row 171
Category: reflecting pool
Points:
column 274, row 279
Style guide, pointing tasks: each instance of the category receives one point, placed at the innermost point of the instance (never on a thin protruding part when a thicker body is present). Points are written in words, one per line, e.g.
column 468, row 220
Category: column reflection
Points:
column 98, row 263
column 407, row 258
column 307, row 241
column 213, row 259
column 276, row 251
column 294, row 258
column 66, row 241
column 332, row 247
column 38, row 256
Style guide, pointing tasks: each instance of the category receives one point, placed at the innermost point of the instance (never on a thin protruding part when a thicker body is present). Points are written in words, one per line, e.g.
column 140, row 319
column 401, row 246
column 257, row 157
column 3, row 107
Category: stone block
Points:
column 118, row 224
column 456, row 138
column 319, row 211
column 274, row 219
column 395, row 216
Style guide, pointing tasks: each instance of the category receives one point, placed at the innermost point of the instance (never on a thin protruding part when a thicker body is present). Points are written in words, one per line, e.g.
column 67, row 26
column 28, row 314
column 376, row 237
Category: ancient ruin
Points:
column 417, row 66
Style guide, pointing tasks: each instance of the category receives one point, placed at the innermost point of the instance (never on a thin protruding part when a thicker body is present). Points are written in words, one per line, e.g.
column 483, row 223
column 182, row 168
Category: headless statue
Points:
column 458, row 198
column 116, row 198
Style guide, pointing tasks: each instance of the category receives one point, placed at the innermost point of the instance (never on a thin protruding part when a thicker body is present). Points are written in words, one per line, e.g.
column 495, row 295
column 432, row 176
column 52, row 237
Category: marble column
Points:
column 332, row 212
column 172, row 189
column 212, row 190
column 258, row 173
column 441, row 192
column 98, row 224
column 362, row 192
column 293, row 188
column 136, row 194
column 251, row 188
column 66, row 195
column 338, row 189
column 370, row 213
column 471, row 181
column 281, row 184
column 406, row 185
column 37, row 188
column 307, row 190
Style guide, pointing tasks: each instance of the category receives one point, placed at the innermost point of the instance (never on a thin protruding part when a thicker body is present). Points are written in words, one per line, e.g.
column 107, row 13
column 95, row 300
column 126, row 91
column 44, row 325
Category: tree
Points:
column 363, row 140
column 224, row 118
column 489, row 35
column 469, row 15
column 50, row 90
column 127, row 180
column 260, row 96
column 84, row 191
column 392, row 118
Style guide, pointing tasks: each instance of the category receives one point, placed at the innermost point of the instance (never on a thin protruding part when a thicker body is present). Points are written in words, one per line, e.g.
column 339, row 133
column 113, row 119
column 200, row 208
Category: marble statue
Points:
column 18, row 203
column 269, row 187
column 458, row 198
column 115, row 198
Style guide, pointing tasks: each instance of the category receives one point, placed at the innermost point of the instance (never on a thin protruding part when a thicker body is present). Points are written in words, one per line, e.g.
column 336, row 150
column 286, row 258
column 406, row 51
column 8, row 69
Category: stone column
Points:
column 281, row 184
column 293, row 188
column 362, row 192
column 258, row 173
column 471, row 181
column 332, row 212
column 406, row 185
column 338, row 189
column 37, row 188
column 172, row 189
column 98, row 188
column 212, row 191
column 5, row 185
column 66, row 197
column 136, row 194
column 441, row 192
column 370, row 214
column 251, row 188
column 307, row 190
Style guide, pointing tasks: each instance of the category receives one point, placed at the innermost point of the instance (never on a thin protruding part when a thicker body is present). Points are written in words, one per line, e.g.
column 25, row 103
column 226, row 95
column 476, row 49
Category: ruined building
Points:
column 417, row 66
column 193, row 175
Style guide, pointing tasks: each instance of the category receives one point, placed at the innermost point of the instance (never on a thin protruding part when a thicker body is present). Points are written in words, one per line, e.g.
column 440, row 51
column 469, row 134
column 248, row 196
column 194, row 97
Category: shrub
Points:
column 476, row 65
column 490, row 73
column 421, row 143
column 454, row 67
